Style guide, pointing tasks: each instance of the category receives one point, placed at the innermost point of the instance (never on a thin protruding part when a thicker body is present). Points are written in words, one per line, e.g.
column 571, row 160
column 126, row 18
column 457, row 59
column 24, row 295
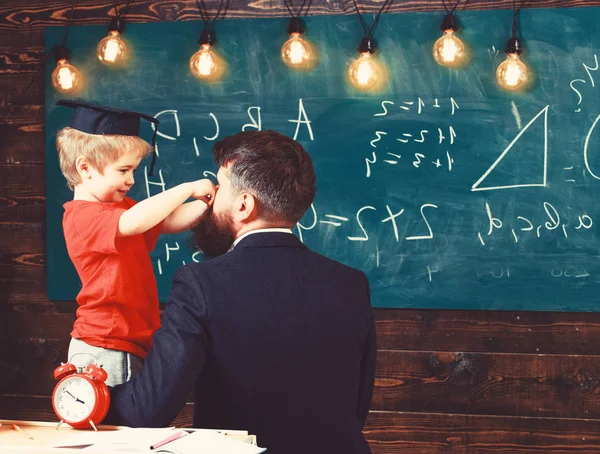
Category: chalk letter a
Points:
column 306, row 121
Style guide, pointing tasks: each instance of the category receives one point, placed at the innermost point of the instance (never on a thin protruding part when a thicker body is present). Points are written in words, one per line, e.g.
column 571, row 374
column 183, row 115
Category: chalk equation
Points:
column 390, row 145
column 551, row 221
column 419, row 106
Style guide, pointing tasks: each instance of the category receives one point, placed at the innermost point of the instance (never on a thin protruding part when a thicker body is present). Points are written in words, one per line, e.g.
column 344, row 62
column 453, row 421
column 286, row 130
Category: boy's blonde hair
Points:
column 98, row 150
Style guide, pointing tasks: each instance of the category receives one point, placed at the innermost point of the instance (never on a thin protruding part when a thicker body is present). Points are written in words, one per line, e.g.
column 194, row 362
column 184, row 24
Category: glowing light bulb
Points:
column 364, row 73
column 65, row 77
column 112, row 49
column 449, row 50
column 205, row 64
column 297, row 53
column 512, row 74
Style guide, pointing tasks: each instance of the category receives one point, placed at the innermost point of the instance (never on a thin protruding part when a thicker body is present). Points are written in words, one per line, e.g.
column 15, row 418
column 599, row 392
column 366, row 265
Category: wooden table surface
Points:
column 44, row 435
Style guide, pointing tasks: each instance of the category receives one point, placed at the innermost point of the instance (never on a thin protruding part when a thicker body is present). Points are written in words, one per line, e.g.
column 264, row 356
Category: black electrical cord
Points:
column 124, row 9
column 449, row 22
column 514, row 44
column 69, row 22
column 207, row 25
column 300, row 10
column 369, row 32
column 453, row 9
column 515, row 13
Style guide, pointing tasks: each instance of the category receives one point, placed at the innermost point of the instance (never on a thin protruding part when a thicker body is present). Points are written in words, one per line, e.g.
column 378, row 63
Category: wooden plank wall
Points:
column 447, row 381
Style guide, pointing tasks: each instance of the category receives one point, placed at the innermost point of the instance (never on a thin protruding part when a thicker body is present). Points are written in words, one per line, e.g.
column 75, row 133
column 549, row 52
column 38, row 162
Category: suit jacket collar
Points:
column 270, row 239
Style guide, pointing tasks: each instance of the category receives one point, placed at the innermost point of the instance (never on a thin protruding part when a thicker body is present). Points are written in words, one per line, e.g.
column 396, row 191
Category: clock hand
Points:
column 77, row 399
column 70, row 394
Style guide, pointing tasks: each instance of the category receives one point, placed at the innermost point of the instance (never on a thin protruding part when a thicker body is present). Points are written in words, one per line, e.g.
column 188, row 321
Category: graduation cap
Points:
column 95, row 119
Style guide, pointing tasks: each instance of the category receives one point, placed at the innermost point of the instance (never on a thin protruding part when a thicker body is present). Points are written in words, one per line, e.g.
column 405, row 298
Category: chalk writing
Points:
column 552, row 221
column 544, row 171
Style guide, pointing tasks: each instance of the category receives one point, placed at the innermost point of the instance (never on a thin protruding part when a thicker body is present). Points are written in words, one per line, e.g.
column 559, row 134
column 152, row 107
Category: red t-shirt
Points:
column 118, row 302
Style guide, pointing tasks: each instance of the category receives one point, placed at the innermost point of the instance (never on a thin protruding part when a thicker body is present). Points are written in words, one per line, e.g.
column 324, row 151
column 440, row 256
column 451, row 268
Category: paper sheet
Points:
column 130, row 441
column 135, row 437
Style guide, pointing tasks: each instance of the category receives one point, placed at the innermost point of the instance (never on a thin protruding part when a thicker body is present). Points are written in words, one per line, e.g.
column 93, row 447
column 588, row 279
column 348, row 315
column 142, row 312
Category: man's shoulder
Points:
column 329, row 263
column 242, row 257
column 201, row 268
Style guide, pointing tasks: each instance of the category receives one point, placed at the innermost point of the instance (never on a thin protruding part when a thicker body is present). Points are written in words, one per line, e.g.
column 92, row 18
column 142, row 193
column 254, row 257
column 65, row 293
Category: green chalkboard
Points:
column 444, row 190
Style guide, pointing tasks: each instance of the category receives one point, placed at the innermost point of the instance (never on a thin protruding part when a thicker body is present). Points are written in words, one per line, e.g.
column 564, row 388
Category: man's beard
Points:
column 213, row 235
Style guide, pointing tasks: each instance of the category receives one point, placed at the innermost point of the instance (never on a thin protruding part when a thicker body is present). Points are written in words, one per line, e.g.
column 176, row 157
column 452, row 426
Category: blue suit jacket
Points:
column 275, row 339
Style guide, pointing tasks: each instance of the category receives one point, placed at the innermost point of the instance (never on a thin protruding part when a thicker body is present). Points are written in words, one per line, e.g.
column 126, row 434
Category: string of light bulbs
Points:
column 112, row 50
column 449, row 50
column 297, row 52
column 365, row 73
column 206, row 64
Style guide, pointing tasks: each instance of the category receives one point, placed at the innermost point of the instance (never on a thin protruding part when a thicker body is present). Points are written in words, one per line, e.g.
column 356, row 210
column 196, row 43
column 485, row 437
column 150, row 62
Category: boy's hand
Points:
column 204, row 190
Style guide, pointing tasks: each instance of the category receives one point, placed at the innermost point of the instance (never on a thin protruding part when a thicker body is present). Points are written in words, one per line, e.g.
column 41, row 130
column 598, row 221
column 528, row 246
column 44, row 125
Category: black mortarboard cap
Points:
column 95, row 119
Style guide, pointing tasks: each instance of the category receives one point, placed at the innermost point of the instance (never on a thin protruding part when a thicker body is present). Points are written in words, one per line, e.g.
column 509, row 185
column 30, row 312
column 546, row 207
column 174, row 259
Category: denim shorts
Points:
column 120, row 366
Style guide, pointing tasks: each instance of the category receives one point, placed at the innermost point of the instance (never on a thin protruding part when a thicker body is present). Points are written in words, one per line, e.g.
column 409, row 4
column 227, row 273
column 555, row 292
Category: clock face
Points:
column 74, row 399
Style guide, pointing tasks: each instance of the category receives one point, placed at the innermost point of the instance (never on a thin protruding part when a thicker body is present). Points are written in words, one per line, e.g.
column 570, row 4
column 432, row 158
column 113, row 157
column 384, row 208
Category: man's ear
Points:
column 83, row 167
column 245, row 207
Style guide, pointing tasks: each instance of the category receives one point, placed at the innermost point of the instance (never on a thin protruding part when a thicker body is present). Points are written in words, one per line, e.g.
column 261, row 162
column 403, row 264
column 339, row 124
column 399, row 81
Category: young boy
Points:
column 108, row 235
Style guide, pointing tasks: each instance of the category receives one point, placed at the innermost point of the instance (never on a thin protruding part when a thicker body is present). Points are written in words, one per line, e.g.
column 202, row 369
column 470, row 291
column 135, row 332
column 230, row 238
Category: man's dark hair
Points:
column 274, row 168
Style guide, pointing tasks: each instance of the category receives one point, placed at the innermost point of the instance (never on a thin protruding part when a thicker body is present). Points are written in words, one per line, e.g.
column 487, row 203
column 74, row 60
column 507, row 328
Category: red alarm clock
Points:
column 81, row 398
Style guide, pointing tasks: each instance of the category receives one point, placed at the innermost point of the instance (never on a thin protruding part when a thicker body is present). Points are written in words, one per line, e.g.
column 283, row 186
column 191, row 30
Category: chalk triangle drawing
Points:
column 476, row 186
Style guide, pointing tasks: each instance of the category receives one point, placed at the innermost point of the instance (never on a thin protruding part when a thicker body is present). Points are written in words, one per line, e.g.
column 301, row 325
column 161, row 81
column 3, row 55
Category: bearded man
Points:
column 272, row 338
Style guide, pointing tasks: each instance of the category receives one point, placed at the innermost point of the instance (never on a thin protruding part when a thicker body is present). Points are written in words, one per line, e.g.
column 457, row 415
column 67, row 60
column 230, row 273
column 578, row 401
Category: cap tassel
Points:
column 154, row 152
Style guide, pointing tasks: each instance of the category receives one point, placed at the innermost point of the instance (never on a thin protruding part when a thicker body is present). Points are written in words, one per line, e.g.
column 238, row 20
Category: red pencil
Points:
column 169, row 439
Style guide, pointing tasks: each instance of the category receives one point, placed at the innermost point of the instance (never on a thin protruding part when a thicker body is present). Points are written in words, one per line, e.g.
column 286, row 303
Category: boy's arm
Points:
column 184, row 217
column 147, row 213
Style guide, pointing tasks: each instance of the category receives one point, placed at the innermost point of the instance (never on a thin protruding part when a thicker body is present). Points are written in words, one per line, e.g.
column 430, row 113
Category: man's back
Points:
column 276, row 340
column 292, row 347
